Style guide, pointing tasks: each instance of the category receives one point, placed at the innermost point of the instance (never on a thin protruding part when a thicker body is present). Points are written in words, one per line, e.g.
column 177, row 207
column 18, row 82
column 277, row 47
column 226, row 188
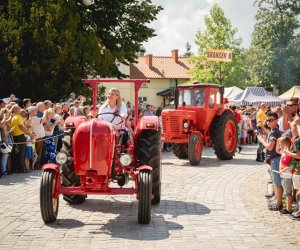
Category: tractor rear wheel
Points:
column 144, row 207
column 149, row 153
column 48, row 204
column 69, row 178
column 195, row 149
column 224, row 135
column 180, row 150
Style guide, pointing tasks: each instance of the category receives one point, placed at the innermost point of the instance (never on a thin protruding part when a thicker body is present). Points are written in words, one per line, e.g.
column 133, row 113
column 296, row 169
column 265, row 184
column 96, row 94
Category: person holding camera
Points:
column 260, row 118
column 270, row 145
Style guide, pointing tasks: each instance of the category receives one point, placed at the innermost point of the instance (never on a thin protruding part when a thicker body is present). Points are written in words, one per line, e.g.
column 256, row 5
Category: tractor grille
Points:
column 171, row 124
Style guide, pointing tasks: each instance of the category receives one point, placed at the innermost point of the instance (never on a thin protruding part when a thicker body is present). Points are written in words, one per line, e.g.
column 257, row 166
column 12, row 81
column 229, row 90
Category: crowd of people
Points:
column 276, row 131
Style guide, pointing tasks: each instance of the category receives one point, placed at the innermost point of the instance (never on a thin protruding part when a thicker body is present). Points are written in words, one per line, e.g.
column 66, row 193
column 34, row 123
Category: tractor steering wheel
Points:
column 116, row 120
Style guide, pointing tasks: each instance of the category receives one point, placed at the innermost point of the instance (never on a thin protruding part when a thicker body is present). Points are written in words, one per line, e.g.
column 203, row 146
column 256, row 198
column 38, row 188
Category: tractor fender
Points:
column 220, row 111
column 197, row 133
column 51, row 166
column 74, row 121
column 147, row 123
column 144, row 167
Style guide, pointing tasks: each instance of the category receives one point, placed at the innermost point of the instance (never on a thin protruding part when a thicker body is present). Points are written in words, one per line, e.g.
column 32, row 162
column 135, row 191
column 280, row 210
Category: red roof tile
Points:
column 163, row 67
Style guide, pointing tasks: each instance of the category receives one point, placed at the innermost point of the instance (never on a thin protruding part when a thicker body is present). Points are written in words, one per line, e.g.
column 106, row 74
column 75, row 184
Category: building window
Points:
column 172, row 82
column 142, row 99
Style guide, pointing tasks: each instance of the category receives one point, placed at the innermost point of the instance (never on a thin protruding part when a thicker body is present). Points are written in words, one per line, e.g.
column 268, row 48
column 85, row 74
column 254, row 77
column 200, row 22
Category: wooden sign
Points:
column 219, row 55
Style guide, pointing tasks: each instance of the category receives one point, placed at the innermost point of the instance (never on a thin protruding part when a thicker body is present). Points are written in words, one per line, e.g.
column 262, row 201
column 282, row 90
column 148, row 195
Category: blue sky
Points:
column 180, row 20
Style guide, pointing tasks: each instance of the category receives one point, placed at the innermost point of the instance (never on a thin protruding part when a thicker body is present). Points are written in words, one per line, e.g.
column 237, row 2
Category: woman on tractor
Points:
column 114, row 110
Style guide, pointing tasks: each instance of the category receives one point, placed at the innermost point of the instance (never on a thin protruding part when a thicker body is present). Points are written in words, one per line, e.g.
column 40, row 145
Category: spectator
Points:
column 65, row 110
column 48, row 104
column 29, row 154
column 270, row 145
column 294, row 152
column 285, row 172
column 5, row 137
column 18, row 132
column 49, row 147
column 26, row 103
column 260, row 118
column 72, row 98
column 148, row 111
column 40, row 109
column 39, row 131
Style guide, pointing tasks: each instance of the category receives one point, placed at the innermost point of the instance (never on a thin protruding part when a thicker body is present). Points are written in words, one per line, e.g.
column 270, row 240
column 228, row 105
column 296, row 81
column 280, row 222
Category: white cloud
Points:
column 180, row 20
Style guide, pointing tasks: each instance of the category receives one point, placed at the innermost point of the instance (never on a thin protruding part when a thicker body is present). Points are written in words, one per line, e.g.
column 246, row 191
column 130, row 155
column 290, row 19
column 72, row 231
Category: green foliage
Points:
column 275, row 48
column 219, row 34
column 47, row 47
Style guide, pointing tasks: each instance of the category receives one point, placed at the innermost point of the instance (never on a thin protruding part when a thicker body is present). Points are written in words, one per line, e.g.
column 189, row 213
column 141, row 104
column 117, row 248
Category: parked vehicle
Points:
column 93, row 157
column 200, row 120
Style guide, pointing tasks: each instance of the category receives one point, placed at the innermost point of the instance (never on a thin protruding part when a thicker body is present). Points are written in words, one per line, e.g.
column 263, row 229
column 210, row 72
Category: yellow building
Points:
column 164, row 73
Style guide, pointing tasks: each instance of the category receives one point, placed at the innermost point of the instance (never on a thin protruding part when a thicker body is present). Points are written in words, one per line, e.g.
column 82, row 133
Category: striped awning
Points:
column 256, row 95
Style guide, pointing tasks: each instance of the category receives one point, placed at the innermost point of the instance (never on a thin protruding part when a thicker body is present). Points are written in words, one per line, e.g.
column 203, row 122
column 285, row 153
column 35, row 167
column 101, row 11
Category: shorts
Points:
column 244, row 133
column 287, row 184
column 275, row 176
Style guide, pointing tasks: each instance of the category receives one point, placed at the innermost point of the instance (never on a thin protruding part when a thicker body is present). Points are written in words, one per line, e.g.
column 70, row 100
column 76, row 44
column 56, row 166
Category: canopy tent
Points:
column 292, row 92
column 232, row 92
column 256, row 95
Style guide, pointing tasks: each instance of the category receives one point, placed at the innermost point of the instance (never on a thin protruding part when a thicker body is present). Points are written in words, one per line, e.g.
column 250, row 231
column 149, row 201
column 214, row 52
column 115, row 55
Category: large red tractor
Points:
column 200, row 120
column 93, row 157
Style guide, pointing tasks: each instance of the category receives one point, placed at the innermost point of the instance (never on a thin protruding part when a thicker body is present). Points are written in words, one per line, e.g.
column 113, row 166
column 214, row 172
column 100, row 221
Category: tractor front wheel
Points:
column 180, row 150
column 144, row 207
column 149, row 153
column 195, row 149
column 69, row 178
column 48, row 202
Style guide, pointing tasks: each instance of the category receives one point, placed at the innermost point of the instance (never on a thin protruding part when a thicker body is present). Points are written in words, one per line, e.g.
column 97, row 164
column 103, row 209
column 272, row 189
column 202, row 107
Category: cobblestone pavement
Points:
column 217, row 205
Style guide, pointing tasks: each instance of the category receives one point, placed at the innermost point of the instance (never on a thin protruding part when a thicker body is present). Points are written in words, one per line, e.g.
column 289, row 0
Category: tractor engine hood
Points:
column 93, row 147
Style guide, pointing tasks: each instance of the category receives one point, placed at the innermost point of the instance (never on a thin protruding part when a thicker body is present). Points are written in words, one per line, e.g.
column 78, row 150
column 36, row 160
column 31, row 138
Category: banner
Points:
column 219, row 55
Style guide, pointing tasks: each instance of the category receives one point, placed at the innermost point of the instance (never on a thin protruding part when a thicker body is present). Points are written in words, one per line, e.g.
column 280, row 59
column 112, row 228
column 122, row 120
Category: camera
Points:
column 258, row 131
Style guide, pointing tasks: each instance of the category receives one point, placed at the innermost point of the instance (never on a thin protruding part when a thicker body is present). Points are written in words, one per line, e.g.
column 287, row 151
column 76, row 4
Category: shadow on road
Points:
column 125, row 225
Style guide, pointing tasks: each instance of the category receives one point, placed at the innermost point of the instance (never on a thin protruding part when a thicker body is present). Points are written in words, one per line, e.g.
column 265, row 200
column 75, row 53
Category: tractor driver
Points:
column 115, row 105
column 199, row 97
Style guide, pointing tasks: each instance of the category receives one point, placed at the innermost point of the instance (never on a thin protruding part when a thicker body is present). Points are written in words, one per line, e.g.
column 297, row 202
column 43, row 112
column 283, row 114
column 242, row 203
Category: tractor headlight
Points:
column 125, row 160
column 61, row 158
column 186, row 125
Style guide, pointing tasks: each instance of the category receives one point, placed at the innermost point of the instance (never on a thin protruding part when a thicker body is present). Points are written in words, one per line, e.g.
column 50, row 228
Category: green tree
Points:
column 219, row 34
column 275, row 44
column 47, row 47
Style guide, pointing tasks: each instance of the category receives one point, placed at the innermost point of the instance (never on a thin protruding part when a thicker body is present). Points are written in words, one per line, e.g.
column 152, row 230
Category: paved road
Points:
column 217, row 205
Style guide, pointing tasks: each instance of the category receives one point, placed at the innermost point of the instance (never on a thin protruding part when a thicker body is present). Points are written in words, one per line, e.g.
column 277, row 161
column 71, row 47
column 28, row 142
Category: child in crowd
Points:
column 29, row 153
column 285, row 169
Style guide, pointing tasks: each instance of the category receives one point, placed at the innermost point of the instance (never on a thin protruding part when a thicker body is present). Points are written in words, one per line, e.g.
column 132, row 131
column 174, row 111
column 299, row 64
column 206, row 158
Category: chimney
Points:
column 149, row 60
column 175, row 55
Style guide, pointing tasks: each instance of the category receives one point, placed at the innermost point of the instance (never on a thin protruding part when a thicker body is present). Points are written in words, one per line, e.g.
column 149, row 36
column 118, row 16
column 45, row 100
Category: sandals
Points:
column 296, row 214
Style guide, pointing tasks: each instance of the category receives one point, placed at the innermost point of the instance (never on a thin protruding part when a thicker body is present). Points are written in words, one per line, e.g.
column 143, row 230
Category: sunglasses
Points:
column 270, row 120
column 111, row 94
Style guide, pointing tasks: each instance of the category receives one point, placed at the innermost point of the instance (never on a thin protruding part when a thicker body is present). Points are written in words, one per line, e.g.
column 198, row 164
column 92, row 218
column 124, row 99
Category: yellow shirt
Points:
column 260, row 118
column 15, row 122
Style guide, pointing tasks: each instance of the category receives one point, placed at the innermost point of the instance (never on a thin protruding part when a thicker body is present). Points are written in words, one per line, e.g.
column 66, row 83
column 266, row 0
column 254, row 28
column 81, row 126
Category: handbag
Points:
column 5, row 148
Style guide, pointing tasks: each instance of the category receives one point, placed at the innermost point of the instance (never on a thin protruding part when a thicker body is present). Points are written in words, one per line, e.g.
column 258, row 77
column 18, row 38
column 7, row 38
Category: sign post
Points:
column 218, row 55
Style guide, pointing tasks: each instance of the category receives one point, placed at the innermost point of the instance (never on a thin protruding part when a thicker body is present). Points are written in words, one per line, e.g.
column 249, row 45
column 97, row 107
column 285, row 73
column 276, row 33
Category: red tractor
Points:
column 200, row 120
column 92, row 158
